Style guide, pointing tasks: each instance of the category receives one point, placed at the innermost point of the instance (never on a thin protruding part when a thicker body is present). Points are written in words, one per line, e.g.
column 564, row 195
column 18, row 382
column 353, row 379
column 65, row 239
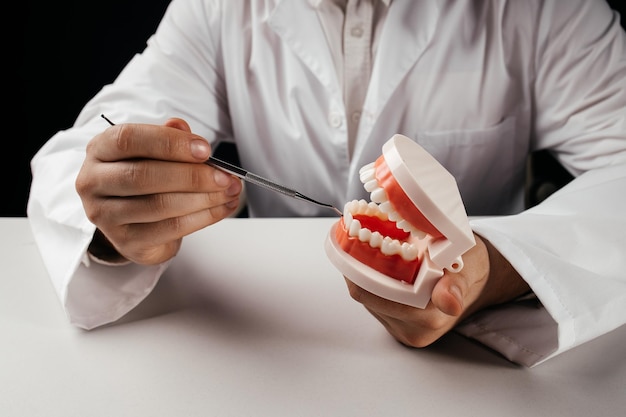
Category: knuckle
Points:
column 135, row 174
column 196, row 177
column 175, row 226
column 168, row 146
column 82, row 185
column 123, row 137
column 91, row 145
column 159, row 204
column 437, row 323
column 97, row 213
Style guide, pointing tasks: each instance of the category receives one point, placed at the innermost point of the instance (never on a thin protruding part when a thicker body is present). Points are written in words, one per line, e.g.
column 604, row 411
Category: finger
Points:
column 418, row 332
column 377, row 303
column 151, row 254
column 390, row 324
column 157, row 207
column 128, row 141
column 220, row 177
column 135, row 236
column 179, row 124
column 429, row 317
column 144, row 177
column 155, row 242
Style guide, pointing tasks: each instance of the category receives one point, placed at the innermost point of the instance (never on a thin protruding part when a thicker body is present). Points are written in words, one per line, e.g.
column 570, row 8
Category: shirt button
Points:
column 356, row 116
column 334, row 119
column 356, row 31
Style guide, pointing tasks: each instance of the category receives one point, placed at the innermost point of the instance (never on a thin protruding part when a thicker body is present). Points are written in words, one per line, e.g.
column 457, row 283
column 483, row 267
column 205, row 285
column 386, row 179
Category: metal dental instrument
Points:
column 257, row 180
column 265, row 183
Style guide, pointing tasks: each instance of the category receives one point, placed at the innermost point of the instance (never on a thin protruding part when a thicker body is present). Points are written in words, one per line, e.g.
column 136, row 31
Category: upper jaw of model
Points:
column 415, row 226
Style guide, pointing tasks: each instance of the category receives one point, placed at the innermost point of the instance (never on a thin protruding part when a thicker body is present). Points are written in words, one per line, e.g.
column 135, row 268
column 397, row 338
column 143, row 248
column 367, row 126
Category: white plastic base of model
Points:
column 416, row 294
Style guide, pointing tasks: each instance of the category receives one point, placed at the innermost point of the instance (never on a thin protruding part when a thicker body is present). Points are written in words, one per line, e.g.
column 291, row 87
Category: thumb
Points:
column 448, row 294
column 179, row 124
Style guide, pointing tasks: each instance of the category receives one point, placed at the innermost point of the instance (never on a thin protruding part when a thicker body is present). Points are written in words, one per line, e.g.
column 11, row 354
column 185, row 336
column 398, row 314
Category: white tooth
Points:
column 370, row 185
column 406, row 226
column 367, row 176
column 362, row 206
column 347, row 219
column 367, row 173
column 409, row 252
column 394, row 216
column 372, row 210
column 390, row 246
column 355, row 226
column 376, row 240
column 378, row 195
column 397, row 246
column 365, row 235
column 418, row 233
column 369, row 167
column 348, row 208
column 385, row 207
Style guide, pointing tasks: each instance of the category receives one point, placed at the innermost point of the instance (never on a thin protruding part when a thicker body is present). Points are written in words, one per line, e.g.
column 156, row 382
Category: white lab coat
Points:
column 478, row 84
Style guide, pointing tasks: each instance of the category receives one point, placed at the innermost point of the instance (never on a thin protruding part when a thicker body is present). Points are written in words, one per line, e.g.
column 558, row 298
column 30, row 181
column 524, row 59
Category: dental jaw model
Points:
column 398, row 245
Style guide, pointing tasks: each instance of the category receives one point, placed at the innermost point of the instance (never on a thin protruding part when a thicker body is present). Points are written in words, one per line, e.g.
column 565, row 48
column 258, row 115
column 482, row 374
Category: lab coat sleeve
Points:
column 94, row 294
column 91, row 294
column 571, row 248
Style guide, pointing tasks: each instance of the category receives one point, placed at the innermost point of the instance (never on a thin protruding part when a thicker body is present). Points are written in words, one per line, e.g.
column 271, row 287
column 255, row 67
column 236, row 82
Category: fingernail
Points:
column 221, row 178
column 200, row 149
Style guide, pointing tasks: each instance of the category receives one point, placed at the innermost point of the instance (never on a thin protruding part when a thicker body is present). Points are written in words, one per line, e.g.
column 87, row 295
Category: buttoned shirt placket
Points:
column 357, row 62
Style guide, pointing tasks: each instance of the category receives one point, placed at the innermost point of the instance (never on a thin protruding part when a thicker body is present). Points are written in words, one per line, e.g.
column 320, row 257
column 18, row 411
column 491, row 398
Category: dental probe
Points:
column 257, row 180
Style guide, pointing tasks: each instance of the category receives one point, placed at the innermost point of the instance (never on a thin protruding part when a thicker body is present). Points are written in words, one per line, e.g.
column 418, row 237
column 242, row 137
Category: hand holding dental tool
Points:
column 257, row 180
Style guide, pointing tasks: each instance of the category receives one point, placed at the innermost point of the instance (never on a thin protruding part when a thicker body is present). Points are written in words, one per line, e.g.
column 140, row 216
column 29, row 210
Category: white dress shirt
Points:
column 477, row 84
column 352, row 29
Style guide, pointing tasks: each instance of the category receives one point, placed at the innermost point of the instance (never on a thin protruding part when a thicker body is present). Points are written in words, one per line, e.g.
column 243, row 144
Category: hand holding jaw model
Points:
column 398, row 245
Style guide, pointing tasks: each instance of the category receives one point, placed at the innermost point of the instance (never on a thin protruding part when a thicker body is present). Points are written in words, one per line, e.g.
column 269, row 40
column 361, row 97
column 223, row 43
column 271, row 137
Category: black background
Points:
column 69, row 50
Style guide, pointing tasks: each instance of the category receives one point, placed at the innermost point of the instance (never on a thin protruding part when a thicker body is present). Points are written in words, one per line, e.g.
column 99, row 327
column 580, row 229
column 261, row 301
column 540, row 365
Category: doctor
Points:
column 309, row 91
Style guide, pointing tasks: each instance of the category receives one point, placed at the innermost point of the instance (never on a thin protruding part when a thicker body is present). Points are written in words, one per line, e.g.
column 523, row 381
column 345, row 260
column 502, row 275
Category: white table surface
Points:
column 252, row 319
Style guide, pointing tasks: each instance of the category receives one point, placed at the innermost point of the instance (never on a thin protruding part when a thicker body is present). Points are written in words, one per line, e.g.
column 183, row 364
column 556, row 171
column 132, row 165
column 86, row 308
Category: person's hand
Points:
column 485, row 280
column 145, row 187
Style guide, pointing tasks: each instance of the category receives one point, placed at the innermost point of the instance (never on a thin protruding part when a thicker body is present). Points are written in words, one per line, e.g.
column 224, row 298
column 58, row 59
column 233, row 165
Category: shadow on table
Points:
column 208, row 308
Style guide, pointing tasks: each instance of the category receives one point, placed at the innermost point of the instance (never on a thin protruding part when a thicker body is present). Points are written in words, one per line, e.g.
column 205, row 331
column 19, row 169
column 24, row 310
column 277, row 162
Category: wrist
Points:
column 504, row 282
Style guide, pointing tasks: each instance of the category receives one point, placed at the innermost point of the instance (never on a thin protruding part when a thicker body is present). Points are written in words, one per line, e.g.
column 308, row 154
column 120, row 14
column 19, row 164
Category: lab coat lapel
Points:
column 408, row 30
column 299, row 27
